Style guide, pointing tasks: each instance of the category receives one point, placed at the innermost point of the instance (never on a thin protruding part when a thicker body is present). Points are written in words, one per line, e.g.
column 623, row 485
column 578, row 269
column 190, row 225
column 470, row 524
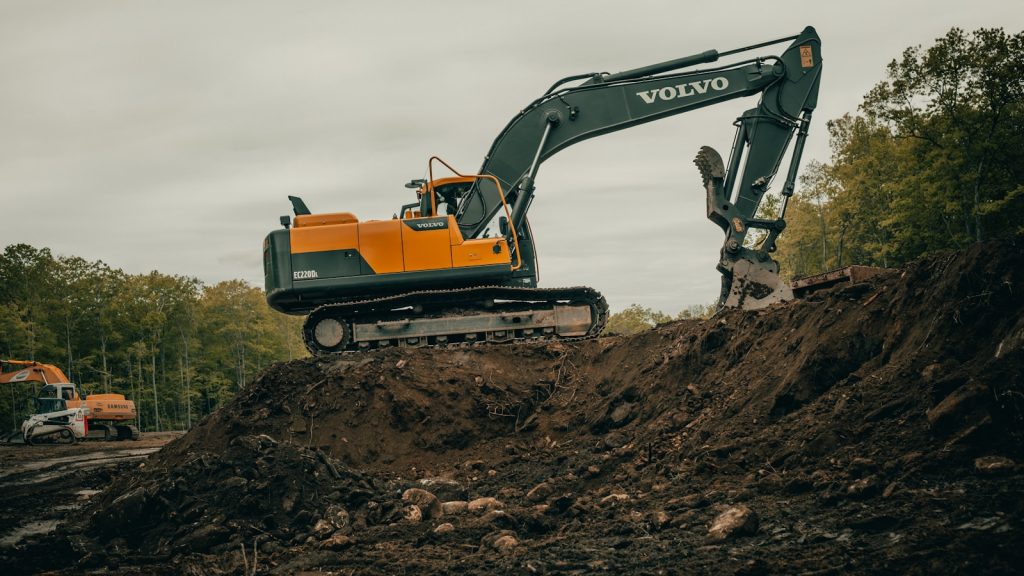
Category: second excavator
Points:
column 60, row 414
column 459, row 264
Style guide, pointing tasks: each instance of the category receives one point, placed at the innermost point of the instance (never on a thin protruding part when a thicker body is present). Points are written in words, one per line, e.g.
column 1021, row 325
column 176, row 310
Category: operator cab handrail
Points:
column 501, row 194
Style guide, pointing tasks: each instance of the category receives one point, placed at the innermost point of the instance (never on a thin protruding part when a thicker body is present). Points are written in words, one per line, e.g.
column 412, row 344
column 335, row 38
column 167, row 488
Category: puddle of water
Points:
column 53, row 467
column 30, row 529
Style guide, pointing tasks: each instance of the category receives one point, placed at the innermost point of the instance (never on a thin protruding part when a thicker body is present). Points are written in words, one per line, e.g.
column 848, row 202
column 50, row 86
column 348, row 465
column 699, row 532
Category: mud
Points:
column 869, row 428
column 45, row 485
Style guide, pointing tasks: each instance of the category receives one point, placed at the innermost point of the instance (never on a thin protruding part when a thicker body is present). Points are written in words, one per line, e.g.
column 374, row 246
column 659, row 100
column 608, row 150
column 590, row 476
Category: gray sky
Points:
column 167, row 135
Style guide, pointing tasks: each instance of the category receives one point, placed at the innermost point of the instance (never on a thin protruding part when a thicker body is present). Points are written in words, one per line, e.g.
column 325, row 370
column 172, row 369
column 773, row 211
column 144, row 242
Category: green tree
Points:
column 961, row 102
column 933, row 162
column 634, row 319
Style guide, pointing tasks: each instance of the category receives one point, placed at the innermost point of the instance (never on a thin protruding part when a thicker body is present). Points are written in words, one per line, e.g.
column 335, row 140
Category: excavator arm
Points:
column 13, row 371
column 604, row 103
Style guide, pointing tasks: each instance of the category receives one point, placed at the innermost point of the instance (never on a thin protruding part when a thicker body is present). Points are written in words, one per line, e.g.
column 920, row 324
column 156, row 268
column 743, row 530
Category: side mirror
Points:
column 503, row 225
column 286, row 221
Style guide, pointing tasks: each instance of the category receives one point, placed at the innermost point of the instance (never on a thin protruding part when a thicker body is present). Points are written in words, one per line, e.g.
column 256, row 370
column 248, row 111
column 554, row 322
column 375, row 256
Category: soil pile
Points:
column 875, row 427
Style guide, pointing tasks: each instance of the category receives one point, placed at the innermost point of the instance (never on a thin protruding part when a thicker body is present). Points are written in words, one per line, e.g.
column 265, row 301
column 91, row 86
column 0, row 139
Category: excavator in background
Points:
column 61, row 415
column 459, row 265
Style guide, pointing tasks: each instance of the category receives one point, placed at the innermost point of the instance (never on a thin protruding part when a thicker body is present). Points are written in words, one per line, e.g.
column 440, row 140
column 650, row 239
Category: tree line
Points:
column 931, row 161
column 177, row 347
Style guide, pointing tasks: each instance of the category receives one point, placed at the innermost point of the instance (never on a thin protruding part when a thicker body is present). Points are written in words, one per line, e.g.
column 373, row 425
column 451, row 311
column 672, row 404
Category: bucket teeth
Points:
column 710, row 164
column 712, row 171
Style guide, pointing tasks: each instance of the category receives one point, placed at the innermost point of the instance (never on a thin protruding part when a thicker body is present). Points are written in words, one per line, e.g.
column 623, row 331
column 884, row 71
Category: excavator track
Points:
column 456, row 317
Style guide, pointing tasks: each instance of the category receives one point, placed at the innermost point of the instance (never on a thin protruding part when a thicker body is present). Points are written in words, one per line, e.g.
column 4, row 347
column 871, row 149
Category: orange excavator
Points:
column 459, row 265
column 60, row 414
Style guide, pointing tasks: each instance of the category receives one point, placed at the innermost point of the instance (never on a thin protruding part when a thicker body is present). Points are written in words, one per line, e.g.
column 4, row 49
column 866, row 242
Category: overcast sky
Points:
column 167, row 135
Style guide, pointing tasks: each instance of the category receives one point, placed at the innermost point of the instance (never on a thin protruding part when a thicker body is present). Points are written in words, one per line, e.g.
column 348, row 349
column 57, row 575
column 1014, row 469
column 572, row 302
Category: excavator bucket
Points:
column 752, row 286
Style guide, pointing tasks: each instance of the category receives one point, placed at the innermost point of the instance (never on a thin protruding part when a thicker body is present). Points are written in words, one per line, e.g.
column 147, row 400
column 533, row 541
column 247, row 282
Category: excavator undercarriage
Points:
column 460, row 316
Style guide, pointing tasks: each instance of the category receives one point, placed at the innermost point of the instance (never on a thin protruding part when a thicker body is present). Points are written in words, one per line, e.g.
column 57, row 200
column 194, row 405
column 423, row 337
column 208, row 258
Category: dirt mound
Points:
column 875, row 427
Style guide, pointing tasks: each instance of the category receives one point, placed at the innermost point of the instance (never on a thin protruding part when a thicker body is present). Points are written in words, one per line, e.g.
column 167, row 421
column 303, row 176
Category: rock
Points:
column 444, row 528
column 445, row 489
column 863, row 488
column 540, row 492
column 498, row 518
column 322, row 529
column 401, row 364
column 735, row 521
column 412, row 514
column 620, row 416
column 612, row 499
column 427, row 502
column 659, row 519
column 484, row 504
column 336, row 542
column 338, row 516
column 931, row 372
column 615, row 440
column 504, row 540
column 994, row 464
column 956, row 405
column 454, row 507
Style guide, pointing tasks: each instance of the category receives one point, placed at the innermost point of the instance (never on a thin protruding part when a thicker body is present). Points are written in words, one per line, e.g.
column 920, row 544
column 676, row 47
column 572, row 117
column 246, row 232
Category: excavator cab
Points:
column 46, row 405
column 440, row 197
column 58, row 390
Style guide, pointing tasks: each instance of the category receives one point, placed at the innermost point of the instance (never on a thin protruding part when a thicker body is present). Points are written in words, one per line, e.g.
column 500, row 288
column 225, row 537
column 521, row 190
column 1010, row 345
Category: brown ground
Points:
column 872, row 428
column 42, row 485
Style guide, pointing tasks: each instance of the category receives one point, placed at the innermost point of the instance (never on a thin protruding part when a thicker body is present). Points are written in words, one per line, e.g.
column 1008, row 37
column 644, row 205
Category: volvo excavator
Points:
column 459, row 264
